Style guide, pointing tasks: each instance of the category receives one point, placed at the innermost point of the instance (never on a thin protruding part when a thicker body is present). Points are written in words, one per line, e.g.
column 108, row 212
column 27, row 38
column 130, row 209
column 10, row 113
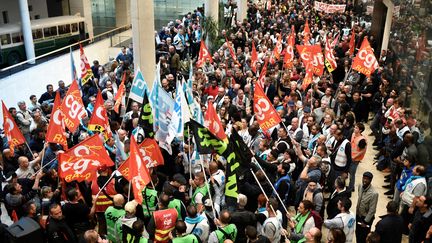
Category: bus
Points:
column 48, row 34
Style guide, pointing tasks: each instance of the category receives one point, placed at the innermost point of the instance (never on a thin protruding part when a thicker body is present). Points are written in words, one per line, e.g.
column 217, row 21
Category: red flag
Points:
column 289, row 52
column 56, row 127
column 308, row 79
column 278, row 48
column 119, row 96
column 73, row 107
column 232, row 53
column 330, row 60
column 91, row 146
column 312, row 54
column 138, row 172
column 151, row 153
column 352, row 43
column 11, row 130
column 204, row 53
column 306, row 33
column 263, row 73
column 254, row 58
column 99, row 119
column 86, row 72
column 73, row 168
column 365, row 61
column 265, row 113
column 213, row 123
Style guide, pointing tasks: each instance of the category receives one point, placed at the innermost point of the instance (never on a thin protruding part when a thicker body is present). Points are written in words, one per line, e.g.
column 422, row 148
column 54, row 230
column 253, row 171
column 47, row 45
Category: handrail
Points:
column 65, row 47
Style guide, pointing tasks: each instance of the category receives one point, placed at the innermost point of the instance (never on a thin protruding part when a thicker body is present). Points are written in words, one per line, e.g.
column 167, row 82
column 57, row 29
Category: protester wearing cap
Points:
column 366, row 207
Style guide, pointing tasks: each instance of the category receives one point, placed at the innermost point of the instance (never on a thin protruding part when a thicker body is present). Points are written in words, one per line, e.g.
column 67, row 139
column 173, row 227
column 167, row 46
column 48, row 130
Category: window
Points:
column 75, row 27
column 37, row 16
column 30, row 7
column 50, row 31
column 37, row 34
column 5, row 39
column 64, row 29
column 17, row 38
column 5, row 17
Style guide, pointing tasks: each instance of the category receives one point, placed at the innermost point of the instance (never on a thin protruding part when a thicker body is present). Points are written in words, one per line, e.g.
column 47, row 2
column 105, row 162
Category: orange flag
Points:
column 289, row 52
column 73, row 107
column 365, row 61
column 330, row 60
column 91, row 146
column 11, row 130
column 278, row 48
column 151, row 153
column 308, row 79
column 213, row 123
column 99, row 119
column 119, row 96
column 306, row 33
column 138, row 172
column 314, row 55
column 204, row 53
column 254, row 58
column 265, row 113
column 86, row 72
column 73, row 168
column 263, row 73
column 352, row 43
column 56, row 127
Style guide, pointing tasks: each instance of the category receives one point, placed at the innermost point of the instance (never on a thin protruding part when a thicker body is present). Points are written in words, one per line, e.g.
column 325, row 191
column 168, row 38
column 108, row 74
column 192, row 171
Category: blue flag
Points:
column 139, row 87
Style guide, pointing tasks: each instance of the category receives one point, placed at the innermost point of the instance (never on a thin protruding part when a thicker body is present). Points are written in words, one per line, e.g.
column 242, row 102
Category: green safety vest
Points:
column 112, row 214
column 203, row 190
column 190, row 238
column 176, row 204
column 149, row 201
column 230, row 230
column 131, row 238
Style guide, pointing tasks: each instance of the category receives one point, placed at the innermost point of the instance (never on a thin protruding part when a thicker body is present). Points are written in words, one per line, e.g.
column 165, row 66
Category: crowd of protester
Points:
column 307, row 164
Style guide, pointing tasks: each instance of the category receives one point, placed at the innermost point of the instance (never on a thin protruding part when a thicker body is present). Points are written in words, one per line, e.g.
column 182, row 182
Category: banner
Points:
column 278, row 48
column 203, row 55
column 265, row 113
column 83, row 168
column 312, row 54
column 138, row 88
column 56, row 127
column 146, row 118
column 11, row 130
column 365, row 61
column 73, row 108
column 86, row 72
column 329, row 8
column 99, row 119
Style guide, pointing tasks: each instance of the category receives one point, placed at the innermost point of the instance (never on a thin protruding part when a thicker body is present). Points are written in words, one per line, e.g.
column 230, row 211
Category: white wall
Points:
column 39, row 8
column 20, row 86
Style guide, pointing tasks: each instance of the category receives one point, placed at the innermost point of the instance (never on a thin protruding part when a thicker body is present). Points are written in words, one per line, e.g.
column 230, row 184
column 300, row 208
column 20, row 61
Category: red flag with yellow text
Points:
column 91, row 146
column 86, row 72
column 308, row 79
column 73, row 168
column 213, row 123
column 11, row 130
column 204, row 53
column 73, row 108
column 151, row 153
column 99, row 119
column 56, row 126
column 365, row 60
column 265, row 113
column 313, row 54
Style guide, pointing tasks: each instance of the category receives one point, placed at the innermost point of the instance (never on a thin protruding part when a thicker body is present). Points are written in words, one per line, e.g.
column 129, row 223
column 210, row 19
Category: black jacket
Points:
column 59, row 232
column 390, row 228
column 332, row 209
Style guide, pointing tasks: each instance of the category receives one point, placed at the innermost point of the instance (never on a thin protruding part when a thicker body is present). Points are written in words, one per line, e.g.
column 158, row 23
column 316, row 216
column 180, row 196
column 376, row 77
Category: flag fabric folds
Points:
column 86, row 72
column 365, row 60
column 254, row 57
column 73, row 108
column 289, row 52
column 213, row 123
column 91, row 146
column 146, row 118
column 352, row 43
column 308, row 79
column 265, row 113
column 99, row 119
column 181, row 113
column 330, row 60
column 56, row 127
column 11, row 130
column 149, row 148
column 83, row 168
column 313, row 54
column 120, row 93
column 204, row 53
column 139, row 88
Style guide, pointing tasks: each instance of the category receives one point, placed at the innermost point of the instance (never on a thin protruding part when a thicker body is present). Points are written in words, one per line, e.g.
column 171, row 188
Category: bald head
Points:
column 118, row 200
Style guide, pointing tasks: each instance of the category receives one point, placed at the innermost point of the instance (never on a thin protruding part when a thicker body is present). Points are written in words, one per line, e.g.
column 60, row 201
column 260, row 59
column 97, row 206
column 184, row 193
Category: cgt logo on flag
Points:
column 265, row 113
column 314, row 55
column 78, row 168
column 73, row 107
column 365, row 61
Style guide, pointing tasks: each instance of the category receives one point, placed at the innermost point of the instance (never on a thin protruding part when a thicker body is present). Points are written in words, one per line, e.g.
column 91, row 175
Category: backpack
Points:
column 317, row 219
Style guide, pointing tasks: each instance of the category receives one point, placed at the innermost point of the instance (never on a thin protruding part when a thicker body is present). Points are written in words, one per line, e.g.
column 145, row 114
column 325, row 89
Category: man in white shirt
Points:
column 217, row 179
column 271, row 226
column 26, row 169
column 344, row 220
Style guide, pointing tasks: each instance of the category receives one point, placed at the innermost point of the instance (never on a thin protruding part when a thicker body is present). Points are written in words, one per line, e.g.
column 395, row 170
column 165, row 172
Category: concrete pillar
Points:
column 142, row 15
column 123, row 14
column 387, row 25
column 212, row 9
column 27, row 32
column 241, row 10
column 84, row 8
column 379, row 16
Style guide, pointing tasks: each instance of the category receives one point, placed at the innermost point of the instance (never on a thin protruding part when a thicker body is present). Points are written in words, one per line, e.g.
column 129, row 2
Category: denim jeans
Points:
column 352, row 172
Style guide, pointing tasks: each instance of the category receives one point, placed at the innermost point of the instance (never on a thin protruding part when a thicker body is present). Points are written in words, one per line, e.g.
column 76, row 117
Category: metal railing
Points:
column 83, row 42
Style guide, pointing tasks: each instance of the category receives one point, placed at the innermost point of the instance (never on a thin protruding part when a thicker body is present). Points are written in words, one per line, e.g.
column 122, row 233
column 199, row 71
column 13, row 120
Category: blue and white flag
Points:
column 139, row 86
column 163, row 105
column 194, row 106
column 154, row 96
column 73, row 69
column 181, row 113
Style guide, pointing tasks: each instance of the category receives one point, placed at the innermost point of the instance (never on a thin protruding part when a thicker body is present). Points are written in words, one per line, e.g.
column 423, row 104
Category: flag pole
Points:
column 190, row 161
column 265, row 195
column 208, row 188
column 30, row 150
column 274, row 189
column 44, row 166
column 106, row 184
column 129, row 190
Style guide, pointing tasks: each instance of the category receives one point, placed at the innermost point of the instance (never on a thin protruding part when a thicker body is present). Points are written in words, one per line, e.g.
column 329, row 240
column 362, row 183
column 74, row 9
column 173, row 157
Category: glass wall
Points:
column 411, row 42
column 103, row 15
column 170, row 10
